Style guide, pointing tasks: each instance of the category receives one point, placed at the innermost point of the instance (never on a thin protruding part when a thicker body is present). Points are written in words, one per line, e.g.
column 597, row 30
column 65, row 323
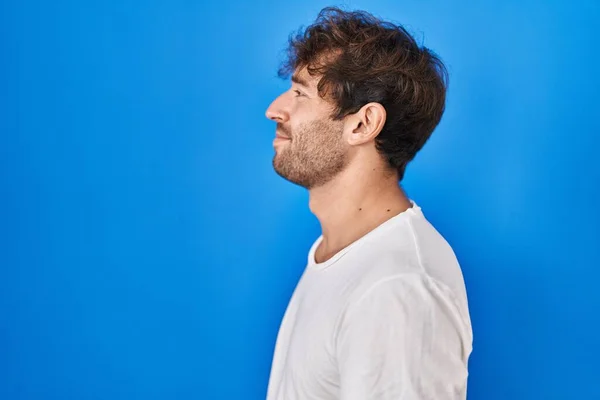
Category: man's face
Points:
column 309, row 147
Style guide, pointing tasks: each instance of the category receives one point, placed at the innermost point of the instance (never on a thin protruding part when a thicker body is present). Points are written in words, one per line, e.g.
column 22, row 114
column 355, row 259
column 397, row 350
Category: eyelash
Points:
column 298, row 93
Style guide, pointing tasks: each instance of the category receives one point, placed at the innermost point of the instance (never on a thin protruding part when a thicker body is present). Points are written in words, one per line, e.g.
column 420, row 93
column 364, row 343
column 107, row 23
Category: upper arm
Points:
column 402, row 340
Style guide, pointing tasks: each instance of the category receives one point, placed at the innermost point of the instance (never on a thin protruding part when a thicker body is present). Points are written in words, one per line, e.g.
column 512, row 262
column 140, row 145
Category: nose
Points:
column 276, row 111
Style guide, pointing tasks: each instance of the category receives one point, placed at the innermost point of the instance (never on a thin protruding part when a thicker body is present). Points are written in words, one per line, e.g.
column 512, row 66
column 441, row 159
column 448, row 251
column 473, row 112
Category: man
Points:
column 380, row 311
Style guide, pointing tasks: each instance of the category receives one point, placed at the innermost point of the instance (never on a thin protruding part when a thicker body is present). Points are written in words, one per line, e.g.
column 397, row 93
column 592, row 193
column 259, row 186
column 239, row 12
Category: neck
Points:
column 351, row 205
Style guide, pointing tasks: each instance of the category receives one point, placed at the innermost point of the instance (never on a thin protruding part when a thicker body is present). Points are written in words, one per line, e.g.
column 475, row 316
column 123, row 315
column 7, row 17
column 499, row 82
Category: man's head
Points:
column 359, row 86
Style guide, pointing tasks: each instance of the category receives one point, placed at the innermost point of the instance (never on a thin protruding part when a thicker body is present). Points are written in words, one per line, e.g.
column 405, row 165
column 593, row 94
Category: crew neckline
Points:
column 312, row 264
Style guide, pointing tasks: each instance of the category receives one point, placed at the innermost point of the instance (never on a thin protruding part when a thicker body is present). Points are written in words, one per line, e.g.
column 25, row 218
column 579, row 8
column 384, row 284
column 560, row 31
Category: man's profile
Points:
column 380, row 311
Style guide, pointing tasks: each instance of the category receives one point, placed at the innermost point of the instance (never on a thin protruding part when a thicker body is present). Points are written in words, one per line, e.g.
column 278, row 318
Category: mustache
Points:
column 283, row 130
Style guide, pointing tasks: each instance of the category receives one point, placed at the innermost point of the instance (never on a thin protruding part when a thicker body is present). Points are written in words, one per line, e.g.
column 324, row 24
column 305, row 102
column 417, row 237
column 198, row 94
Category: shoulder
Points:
column 412, row 301
column 417, row 290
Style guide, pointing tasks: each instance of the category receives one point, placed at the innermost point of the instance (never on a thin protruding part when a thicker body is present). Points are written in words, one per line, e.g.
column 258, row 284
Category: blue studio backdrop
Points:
column 148, row 250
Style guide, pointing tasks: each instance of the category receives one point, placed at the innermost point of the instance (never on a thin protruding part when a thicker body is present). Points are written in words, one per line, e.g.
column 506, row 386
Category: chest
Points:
column 306, row 339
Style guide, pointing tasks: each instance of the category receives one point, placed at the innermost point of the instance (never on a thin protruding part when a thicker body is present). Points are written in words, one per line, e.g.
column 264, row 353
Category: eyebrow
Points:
column 300, row 81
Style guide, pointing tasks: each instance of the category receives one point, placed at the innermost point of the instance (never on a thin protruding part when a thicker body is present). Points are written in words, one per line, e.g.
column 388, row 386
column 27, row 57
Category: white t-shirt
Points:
column 384, row 318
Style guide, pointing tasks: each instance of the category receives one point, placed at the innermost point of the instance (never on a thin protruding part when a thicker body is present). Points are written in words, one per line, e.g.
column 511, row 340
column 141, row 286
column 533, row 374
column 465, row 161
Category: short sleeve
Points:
column 403, row 339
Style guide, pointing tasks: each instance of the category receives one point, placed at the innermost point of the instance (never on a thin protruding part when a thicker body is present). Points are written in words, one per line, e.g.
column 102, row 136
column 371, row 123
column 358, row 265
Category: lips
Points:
column 281, row 132
column 280, row 136
column 280, row 139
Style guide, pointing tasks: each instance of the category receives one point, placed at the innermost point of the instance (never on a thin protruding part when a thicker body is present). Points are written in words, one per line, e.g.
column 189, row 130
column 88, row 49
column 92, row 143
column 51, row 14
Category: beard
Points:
column 314, row 155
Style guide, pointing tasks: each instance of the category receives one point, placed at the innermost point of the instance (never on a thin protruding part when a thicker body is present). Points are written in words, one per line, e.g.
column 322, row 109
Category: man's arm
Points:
column 403, row 339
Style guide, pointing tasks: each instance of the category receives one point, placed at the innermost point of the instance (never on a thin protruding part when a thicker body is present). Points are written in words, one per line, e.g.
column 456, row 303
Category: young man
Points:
column 380, row 311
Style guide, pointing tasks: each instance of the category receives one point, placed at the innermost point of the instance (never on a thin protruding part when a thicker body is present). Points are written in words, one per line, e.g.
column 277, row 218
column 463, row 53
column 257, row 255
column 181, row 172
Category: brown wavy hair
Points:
column 362, row 59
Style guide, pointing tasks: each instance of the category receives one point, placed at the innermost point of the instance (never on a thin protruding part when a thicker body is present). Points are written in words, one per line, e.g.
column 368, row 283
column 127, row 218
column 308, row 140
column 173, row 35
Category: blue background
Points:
column 148, row 250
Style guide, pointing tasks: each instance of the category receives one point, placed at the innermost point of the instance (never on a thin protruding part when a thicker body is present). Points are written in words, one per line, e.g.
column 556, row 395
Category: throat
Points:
column 323, row 255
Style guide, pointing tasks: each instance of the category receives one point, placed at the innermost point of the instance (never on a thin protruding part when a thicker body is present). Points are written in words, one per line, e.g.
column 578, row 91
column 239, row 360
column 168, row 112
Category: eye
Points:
column 298, row 93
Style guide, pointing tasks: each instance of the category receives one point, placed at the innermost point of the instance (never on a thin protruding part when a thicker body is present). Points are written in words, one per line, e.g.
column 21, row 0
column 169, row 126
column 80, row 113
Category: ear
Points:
column 366, row 123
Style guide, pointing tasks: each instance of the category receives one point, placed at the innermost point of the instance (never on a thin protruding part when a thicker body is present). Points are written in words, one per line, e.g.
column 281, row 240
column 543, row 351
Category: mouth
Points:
column 280, row 139
column 280, row 135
